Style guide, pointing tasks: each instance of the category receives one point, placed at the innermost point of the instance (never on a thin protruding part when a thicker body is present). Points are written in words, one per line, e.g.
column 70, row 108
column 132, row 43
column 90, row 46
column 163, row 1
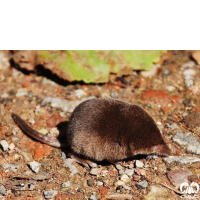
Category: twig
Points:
column 167, row 186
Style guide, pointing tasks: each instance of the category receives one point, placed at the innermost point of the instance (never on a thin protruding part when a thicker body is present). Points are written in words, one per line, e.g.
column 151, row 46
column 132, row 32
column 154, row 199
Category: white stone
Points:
column 31, row 121
column 4, row 145
column 2, row 190
column 188, row 65
column 21, row 92
column 99, row 183
column 118, row 166
column 125, row 178
column 50, row 194
column 191, row 142
column 95, row 171
column 119, row 182
column 170, row 88
column 11, row 146
column 129, row 172
column 4, row 95
column 181, row 159
column 139, row 164
column 79, row 93
column 43, row 131
column 69, row 163
column 35, row 166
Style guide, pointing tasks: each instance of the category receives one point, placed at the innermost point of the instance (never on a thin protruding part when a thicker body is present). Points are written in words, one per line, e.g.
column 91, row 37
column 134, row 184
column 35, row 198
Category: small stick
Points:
column 167, row 186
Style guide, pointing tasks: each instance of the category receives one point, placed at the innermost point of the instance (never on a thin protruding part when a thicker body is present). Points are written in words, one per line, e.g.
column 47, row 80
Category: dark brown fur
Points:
column 107, row 129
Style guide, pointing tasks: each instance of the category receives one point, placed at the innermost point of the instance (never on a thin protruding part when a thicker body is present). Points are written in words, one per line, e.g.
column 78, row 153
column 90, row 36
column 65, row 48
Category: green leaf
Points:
column 95, row 66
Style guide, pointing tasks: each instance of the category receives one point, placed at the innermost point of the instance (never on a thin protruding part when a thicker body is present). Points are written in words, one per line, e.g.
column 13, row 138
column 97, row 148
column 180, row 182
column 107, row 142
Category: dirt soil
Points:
column 165, row 95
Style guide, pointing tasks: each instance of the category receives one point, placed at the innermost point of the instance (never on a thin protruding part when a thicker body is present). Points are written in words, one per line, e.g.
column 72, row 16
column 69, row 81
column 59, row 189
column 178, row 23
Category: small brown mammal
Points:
column 107, row 129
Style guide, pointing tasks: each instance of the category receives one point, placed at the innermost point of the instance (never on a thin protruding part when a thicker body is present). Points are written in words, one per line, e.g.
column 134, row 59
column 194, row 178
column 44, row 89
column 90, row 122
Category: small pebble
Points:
column 105, row 95
column 125, row 178
column 37, row 109
column 21, row 92
column 15, row 130
column 69, row 163
column 119, row 182
column 31, row 121
column 188, row 65
column 121, row 171
column 43, row 131
column 4, row 95
column 16, row 73
column 136, row 177
column 11, row 146
column 104, row 172
column 62, row 114
column 54, row 132
column 141, row 172
column 118, row 166
column 35, row 166
column 178, row 176
column 90, row 182
column 142, row 184
column 139, row 164
column 170, row 88
column 99, row 183
column 190, row 142
column 79, row 93
column 181, row 159
column 63, row 155
column 114, row 94
column 2, row 190
column 4, row 145
column 159, row 123
column 93, row 197
column 185, row 113
column 66, row 184
column 50, row 194
column 175, row 126
column 46, row 81
column 129, row 172
column 95, row 171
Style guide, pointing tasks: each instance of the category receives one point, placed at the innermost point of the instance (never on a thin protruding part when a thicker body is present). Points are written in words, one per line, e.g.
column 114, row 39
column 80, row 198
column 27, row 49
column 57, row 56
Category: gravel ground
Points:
column 31, row 170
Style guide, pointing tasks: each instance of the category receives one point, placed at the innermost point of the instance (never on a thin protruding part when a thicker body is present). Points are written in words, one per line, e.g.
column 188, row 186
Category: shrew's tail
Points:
column 36, row 135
